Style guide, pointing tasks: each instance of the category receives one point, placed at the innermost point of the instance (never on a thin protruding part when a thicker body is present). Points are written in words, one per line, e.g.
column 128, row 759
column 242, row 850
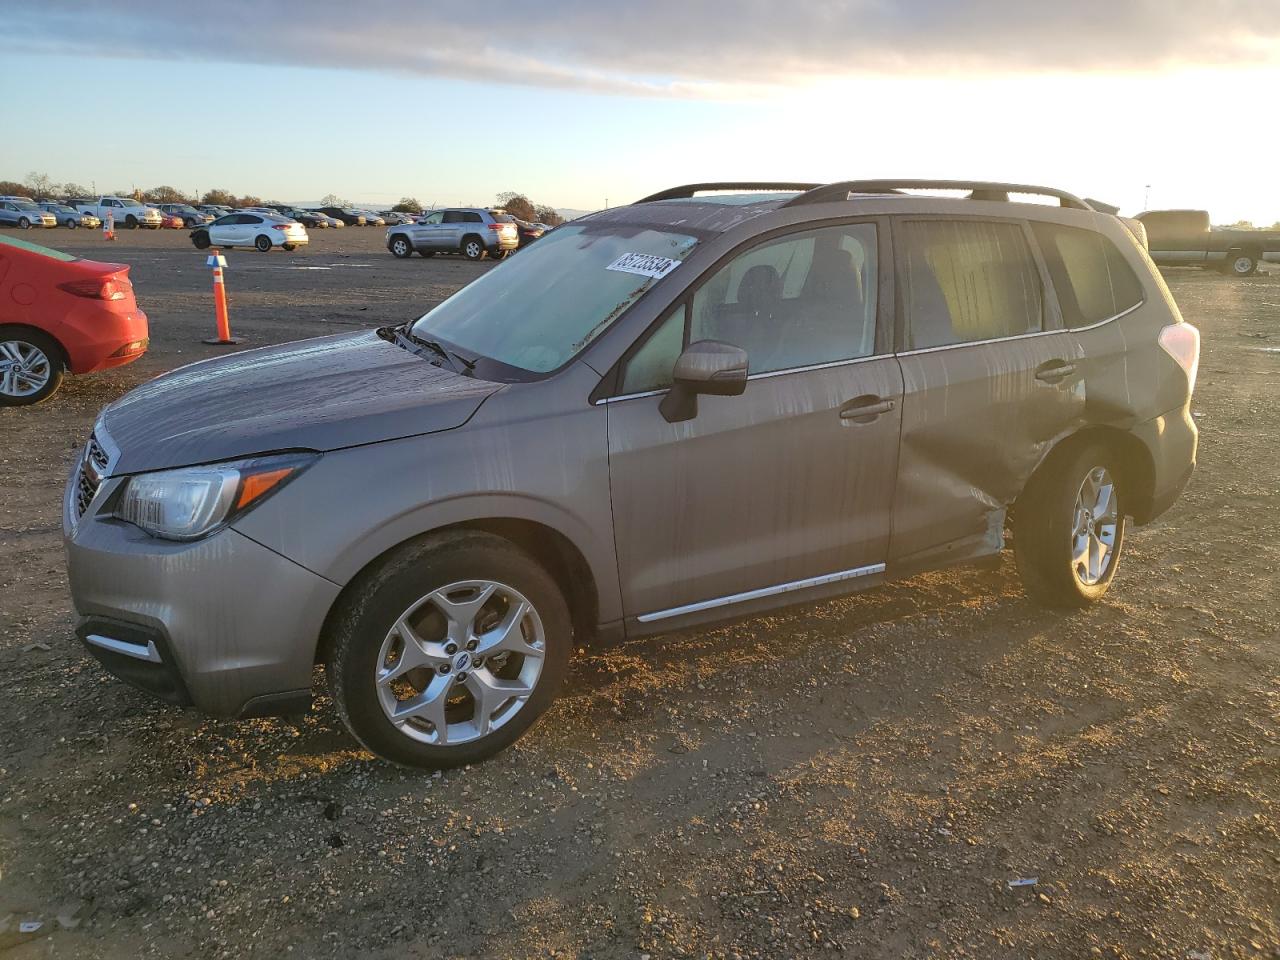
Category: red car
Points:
column 61, row 314
column 171, row 220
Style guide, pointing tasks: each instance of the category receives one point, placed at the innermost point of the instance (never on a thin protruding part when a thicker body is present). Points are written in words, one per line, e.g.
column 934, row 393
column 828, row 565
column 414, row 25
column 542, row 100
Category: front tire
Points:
column 400, row 247
column 131, row 222
column 1068, row 529
column 473, row 248
column 24, row 223
column 201, row 241
column 31, row 367
column 71, row 224
column 448, row 650
column 263, row 243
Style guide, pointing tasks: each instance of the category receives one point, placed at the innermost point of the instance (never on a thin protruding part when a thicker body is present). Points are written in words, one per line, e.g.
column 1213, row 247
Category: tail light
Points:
column 97, row 288
column 1182, row 342
column 280, row 226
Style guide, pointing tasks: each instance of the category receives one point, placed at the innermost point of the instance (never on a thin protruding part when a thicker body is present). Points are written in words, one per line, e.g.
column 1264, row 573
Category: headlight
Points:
column 192, row 502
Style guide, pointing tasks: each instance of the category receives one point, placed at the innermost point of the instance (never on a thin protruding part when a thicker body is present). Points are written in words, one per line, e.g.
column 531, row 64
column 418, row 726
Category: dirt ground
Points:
column 864, row 778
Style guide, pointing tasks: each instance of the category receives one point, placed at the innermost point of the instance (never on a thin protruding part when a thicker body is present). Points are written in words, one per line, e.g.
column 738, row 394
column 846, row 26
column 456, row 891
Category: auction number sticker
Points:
column 644, row 265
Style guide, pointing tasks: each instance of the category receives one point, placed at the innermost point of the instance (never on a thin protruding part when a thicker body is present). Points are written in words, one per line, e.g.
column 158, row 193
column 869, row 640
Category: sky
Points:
column 587, row 103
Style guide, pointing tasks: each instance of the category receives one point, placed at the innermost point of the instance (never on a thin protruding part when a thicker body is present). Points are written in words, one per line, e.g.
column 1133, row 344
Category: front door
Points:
column 989, row 381
column 787, row 489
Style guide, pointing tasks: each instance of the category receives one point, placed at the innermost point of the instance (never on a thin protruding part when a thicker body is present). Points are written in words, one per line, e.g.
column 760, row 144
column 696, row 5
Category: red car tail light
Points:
column 96, row 288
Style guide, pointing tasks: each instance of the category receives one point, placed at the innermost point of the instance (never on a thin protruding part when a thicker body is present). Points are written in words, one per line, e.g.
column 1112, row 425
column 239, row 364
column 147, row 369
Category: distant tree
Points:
column 332, row 200
column 72, row 189
column 408, row 205
column 41, row 184
column 1242, row 225
column 220, row 198
column 547, row 215
column 249, row 200
column 516, row 204
column 166, row 195
column 9, row 188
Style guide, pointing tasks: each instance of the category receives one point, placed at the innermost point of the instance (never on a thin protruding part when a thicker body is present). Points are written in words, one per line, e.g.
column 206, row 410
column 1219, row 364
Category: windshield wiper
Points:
column 467, row 368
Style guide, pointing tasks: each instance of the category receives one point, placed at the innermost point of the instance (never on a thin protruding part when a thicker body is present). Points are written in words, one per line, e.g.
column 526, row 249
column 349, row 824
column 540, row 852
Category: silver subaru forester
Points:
column 720, row 400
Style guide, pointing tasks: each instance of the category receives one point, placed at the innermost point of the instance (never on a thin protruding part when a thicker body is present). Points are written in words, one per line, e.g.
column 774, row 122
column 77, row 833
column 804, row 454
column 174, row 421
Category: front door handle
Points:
column 865, row 409
column 1055, row 371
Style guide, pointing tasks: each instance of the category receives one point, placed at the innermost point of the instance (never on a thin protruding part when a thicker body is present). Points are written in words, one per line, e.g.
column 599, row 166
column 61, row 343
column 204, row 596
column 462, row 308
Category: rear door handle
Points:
column 1054, row 371
column 865, row 409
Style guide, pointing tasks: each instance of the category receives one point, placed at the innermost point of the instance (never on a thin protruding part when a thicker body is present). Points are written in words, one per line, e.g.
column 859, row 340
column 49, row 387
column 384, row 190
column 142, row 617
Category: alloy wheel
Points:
column 1093, row 534
column 24, row 368
column 460, row 662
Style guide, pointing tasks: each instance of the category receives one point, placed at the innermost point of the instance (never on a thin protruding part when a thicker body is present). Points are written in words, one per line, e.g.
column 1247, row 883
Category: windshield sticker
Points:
column 644, row 265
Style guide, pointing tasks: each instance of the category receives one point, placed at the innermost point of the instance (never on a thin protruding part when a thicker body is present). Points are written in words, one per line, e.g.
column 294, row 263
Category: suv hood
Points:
column 321, row 394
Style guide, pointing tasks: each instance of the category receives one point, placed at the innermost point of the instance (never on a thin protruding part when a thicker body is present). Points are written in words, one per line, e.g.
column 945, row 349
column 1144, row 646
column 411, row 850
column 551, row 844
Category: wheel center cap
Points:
column 462, row 661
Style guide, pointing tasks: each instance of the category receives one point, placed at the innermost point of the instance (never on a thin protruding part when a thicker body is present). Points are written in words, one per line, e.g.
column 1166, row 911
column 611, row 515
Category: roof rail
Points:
column 687, row 191
column 979, row 190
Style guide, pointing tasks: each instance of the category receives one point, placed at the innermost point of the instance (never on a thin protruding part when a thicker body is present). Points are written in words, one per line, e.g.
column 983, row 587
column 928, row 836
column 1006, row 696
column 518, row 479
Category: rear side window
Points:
column 1092, row 279
column 965, row 281
column 452, row 216
column 472, row 218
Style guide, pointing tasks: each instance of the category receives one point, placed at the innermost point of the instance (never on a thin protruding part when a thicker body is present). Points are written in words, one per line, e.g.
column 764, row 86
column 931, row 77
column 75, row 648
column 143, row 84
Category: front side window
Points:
column 1091, row 278
column 965, row 281
column 651, row 366
column 803, row 299
column 544, row 306
column 432, row 218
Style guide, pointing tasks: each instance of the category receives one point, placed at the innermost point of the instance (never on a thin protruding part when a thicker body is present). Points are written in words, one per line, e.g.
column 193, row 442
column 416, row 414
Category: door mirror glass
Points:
column 706, row 366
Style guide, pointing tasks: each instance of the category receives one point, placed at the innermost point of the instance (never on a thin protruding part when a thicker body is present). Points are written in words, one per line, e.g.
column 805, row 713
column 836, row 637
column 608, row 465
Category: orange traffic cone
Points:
column 109, row 226
column 223, row 336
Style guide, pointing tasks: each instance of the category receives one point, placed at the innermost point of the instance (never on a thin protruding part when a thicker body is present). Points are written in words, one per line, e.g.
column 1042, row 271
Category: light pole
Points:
column 1146, row 198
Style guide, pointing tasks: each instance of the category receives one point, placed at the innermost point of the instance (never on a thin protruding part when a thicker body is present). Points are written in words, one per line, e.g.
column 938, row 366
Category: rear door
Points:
column 990, row 378
column 787, row 489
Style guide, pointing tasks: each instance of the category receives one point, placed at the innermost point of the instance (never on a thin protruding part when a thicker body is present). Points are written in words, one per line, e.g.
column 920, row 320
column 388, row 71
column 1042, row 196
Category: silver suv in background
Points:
column 662, row 415
column 473, row 232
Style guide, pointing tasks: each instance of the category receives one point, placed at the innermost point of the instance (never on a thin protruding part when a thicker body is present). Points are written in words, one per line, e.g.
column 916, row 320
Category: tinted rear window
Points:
column 36, row 248
column 1092, row 279
column 964, row 281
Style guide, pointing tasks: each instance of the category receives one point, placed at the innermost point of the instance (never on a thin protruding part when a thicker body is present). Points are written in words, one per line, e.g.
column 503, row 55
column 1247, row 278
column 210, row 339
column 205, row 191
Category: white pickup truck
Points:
column 126, row 212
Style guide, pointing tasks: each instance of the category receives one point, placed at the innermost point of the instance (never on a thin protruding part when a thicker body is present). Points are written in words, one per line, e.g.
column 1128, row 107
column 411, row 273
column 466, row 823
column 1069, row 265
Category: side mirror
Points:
column 706, row 366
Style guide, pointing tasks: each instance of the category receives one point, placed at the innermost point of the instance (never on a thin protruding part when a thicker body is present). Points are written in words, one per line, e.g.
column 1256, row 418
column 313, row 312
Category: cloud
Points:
column 682, row 48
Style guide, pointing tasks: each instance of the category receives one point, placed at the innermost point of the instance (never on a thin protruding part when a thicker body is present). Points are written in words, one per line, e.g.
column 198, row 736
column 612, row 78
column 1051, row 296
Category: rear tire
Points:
column 288, row 247
column 1240, row 263
column 400, row 247
column 473, row 248
column 42, row 367
column 388, row 614
column 1068, row 529
column 263, row 243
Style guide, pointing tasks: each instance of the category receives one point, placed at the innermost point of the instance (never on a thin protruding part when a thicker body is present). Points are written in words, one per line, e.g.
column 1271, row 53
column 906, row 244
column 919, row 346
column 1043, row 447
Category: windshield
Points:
column 59, row 208
column 540, row 309
column 25, row 205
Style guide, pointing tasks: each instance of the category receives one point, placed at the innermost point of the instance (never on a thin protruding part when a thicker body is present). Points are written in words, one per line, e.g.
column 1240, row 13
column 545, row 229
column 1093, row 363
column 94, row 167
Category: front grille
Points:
column 89, row 476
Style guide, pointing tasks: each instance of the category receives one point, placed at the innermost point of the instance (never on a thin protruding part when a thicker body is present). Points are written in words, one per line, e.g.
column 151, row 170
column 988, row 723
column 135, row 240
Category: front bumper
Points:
column 223, row 624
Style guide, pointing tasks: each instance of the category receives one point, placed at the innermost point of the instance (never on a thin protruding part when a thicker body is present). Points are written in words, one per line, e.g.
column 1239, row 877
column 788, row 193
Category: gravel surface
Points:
column 873, row 777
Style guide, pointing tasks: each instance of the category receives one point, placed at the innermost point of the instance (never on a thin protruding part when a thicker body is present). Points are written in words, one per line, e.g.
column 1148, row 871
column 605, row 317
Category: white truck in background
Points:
column 125, row 211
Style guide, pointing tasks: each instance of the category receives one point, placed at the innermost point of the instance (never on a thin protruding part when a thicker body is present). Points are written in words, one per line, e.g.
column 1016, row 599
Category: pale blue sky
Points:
column 588, row 106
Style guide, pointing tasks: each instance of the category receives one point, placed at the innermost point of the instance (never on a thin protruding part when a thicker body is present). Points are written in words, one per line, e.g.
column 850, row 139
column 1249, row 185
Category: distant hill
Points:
column 570, row 214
